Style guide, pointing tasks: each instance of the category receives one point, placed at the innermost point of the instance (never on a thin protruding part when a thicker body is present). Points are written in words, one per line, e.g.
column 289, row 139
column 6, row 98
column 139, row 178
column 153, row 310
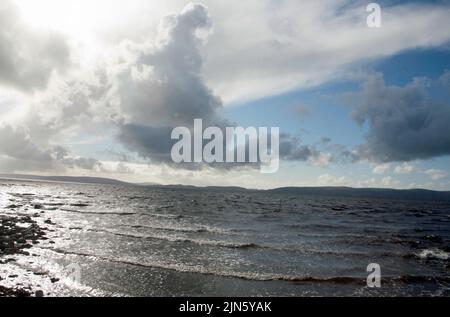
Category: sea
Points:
column 123, row 240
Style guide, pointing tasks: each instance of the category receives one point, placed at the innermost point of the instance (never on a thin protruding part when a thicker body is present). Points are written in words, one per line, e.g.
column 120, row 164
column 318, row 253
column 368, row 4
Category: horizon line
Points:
column 43, row 178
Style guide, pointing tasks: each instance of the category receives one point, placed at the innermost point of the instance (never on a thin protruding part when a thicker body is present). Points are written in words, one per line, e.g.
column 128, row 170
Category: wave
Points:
column 218, row 243
column 182, row 268
column 254, row 276
column 199, row 229
column 317, row 226
column 433, row 254
column 99, row 212
column 239, row 245
column 81, row 205
column 165, row 216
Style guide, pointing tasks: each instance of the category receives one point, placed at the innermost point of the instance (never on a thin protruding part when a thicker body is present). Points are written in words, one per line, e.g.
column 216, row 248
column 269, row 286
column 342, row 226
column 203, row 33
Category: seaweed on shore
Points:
column 10, row 292
column 18, row 234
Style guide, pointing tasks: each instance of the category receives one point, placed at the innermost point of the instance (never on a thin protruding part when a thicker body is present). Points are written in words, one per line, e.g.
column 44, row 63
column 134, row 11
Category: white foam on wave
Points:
column 434, row 254
column 184, row 228
column 195, row 269
column 35, row 275
column 234, row 245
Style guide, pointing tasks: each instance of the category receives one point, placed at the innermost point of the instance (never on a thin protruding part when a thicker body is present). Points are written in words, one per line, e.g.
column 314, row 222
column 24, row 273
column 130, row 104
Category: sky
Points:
column 94, row 88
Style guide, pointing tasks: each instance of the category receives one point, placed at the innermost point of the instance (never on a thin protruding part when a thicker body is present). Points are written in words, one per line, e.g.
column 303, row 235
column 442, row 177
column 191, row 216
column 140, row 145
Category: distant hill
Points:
column 147, row 184
column 65, row 179
column 406, row 194
column 208, row 188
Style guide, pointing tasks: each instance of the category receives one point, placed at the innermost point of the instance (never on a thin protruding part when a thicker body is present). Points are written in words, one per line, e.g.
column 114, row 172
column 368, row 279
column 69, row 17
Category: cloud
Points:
column 389, row 182
column 287, row 45
column 163, row 85
column 282, row 45
column 301, row 111
column 65, row 105
column 139, row 94
column 82, row 162
column 331, row 180
column 405, row 169
column 28, row 56
column 148, row 86
column 403, row 123
column 149, row 142
column 160, row 86
column 436, row 174
column 17, row 143
column 444, row 80
column 291, row 149
column 18, row 151
column 381, row 169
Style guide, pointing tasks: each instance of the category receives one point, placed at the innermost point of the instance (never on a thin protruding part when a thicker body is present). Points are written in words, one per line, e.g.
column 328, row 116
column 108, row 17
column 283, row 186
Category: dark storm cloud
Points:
column 403, row 123
column 155, row 143
column 292, row 150
column 148, row 142
column 27, row 56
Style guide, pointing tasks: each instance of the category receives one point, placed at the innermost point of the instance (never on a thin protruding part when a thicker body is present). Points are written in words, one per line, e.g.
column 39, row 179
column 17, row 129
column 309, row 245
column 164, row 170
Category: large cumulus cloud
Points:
column 403, row 123
column 162, row 88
